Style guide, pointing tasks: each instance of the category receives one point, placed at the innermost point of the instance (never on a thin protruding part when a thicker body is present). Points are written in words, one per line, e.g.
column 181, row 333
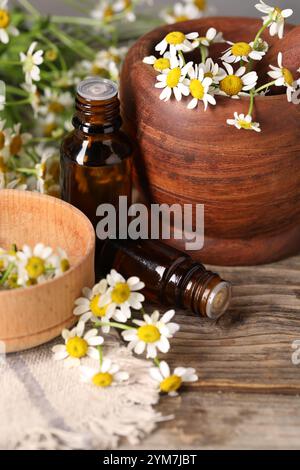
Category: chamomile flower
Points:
column 199, row 86
column 45, row 153
column 54, row 103
column 152, row 334
column 33, row 264
column 88, row 306
column 241, row 121
column 159, row 64
column 106, row 375
column 241, row 51
column 31, row 61
column 103, row 11
column 33, row 96
column 6, row 28
column 125, row 7
column 2, row 95
column 2, row 134
column 212, row 37
column 213, row 71
column 276, row 15
column 77, row 345
column 170, row 383
column 181, row 12
column 173, row 80
column 122, row 295
column 176, row 41
column 16, row 140
column 236, row 84
column 60, row 262
column 201, row 5
column 283, row 77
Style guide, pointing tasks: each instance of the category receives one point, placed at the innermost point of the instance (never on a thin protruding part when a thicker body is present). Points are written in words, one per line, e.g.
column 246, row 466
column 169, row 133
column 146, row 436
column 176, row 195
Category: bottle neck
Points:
column 97, row 117
column 189, row 285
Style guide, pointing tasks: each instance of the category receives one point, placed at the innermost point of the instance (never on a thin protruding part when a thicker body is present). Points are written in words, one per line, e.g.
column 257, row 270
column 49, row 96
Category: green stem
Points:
column 115, row 325
column 78, row 47
column 16, row 91
column 156, row 361
column 29, row 7
column 10, row 62
column 100, row 350
column 26, row 171
column 252, row 95
column 257, row 37
column 267, row 85
column 203, row 51
column 78, row 20
column 182, row 56
column 17, row 103
column 51, row 44
column 7, row 273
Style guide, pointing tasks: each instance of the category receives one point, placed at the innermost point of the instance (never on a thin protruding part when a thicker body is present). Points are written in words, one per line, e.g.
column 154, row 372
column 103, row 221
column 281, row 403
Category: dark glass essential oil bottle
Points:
column 171, row 277
column 96, row 157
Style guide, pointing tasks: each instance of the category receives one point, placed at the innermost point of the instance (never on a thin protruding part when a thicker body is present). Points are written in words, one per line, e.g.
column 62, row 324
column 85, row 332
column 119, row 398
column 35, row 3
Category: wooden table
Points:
column 248, row 391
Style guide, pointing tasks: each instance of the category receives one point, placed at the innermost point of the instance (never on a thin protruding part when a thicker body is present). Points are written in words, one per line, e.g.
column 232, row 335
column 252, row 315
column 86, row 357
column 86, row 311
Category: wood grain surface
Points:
column 248, row 182
column 248, row 390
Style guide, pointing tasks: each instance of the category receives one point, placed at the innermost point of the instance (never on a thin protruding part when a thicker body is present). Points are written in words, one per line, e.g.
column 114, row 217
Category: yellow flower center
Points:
column 171, row 384
column 161, row 64
column 108, row 12
column 51, row 55
column 175, row 38
column 102, row 72
column 77, row 347
column 241, row 49
column 35, row 267
column 3, row 166
column 197, row 89
column 209, row 75
column 1, row 264
column 277, row 13
column 2, row 140
column 64, row 265
column 4, row 19
column 12, row 281
column 16, row 145
column 102, row 379
column 245, row 125
column 49, row 129
column 120, row 293
column 200, row 4
column 288, row 76
column 95, row 309
column 56, row 107
column 181, row 18
column 231, row 85
column 148, row 333
column 173, row 77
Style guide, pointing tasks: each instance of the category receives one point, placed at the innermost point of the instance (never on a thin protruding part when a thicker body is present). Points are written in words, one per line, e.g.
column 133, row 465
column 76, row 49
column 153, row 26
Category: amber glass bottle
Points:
column 96, row 157
column 171, row 276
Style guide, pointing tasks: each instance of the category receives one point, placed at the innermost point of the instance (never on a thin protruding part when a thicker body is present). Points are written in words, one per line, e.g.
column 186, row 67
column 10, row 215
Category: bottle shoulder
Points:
column 96, row 150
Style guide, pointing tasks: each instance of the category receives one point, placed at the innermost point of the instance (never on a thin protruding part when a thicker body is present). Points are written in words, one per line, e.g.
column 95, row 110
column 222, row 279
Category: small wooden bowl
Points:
column 34, row 315
column 249, row 183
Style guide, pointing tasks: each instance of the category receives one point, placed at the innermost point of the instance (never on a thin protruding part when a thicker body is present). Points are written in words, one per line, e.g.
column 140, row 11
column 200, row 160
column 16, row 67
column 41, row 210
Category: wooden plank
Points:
column 227, row 421
column 249, row 349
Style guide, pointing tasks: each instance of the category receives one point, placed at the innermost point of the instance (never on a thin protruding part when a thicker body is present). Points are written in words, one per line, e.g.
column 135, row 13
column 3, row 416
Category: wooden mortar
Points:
column 249, row 182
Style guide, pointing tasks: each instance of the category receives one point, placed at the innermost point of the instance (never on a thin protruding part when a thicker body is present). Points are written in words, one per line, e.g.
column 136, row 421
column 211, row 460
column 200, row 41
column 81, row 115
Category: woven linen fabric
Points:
column 45, row 405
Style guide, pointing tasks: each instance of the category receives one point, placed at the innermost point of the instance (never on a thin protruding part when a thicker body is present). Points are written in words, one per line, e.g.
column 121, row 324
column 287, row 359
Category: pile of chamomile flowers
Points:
column 29, row 266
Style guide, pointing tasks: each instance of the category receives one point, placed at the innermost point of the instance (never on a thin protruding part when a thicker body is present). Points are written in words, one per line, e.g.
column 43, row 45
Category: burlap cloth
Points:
column 44, row 405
